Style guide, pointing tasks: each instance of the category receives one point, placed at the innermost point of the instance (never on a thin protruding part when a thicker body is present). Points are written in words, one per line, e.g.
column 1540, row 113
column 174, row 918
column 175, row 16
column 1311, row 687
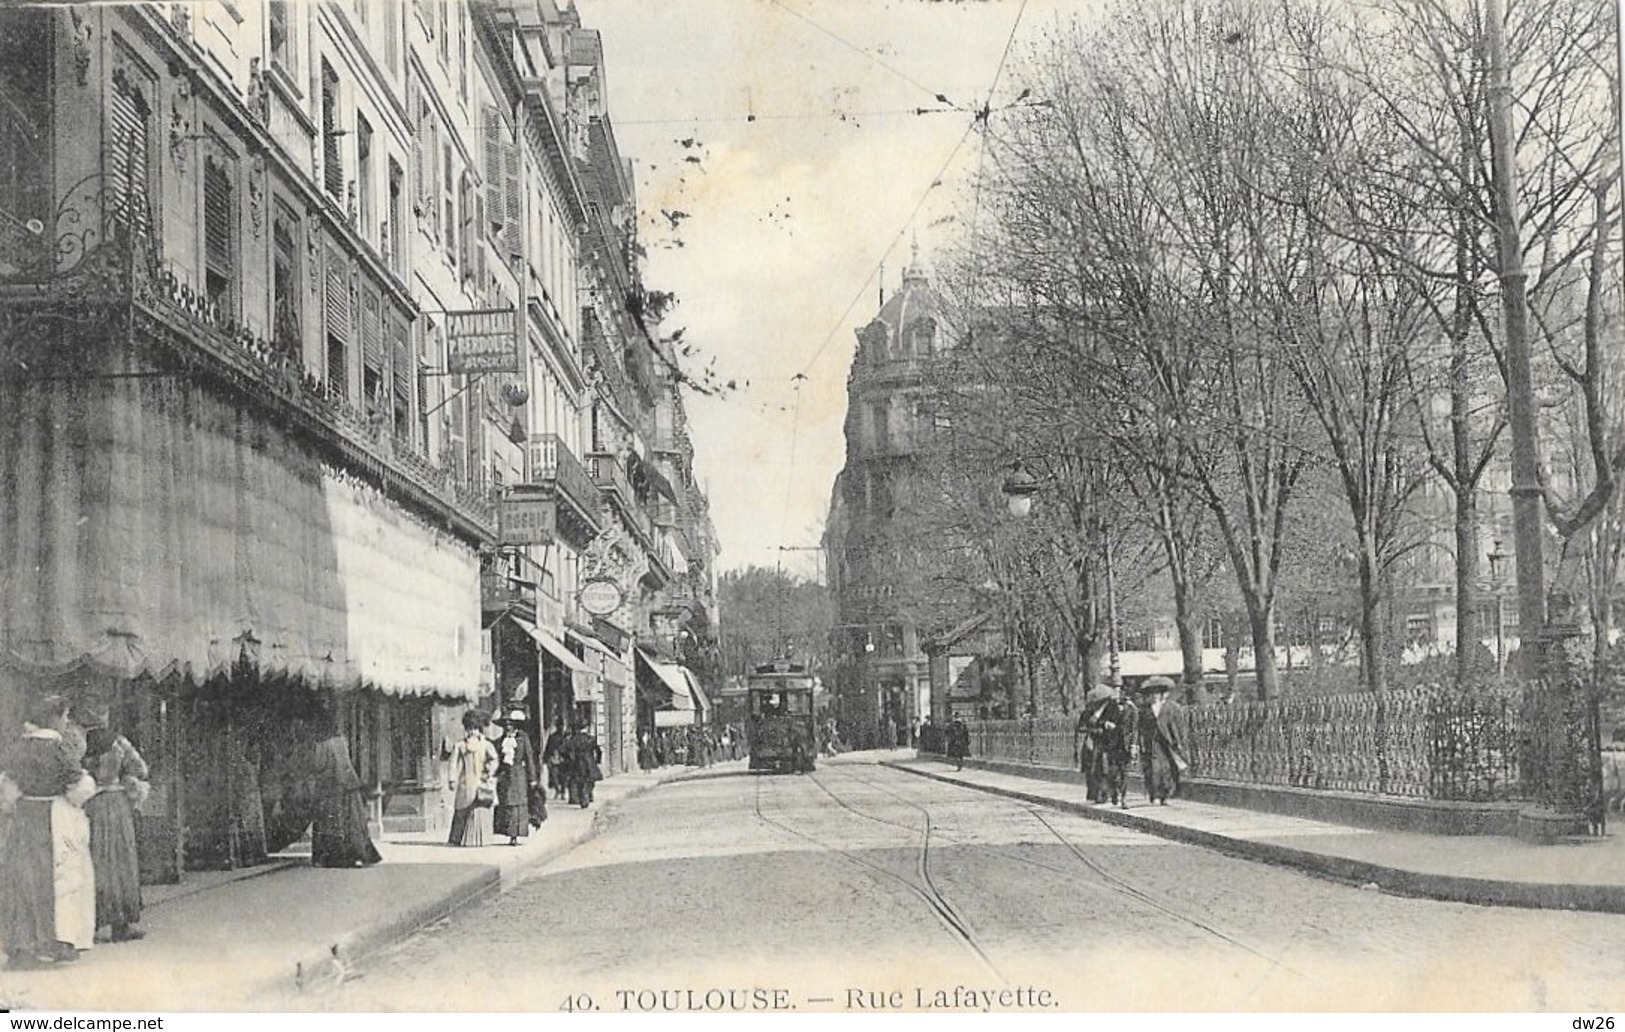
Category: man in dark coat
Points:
column 581, row 758
column 1088, row 739
column 958, row 743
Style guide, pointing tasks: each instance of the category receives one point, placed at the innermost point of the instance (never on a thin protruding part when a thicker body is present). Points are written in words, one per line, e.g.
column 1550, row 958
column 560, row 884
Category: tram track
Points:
column 1109, row 880
column 924, row 888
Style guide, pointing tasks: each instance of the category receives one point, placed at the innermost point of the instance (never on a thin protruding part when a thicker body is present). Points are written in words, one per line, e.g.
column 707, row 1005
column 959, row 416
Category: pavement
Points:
column 242, row 940
column 1569, row 874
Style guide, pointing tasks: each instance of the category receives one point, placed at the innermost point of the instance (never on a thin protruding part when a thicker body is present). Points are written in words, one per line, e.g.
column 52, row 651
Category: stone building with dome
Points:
column 881, row 671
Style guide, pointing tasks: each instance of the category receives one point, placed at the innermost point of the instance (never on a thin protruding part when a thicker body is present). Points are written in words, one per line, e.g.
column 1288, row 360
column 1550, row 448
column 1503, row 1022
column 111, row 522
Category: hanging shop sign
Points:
column 525, row 520
column 601, row 596
column 482, row 341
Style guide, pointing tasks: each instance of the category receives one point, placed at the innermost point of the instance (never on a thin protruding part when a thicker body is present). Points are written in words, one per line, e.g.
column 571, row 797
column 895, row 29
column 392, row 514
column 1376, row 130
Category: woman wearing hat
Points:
column 1162, row 740
column 517, row 777
column 474, row 773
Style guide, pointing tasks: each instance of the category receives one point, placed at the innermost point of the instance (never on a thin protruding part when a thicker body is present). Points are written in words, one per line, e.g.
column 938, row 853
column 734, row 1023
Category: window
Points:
column 332, row 164
column 285, row 293
column 470, row 234
column 25, row 115
column 402, row 368
column 219, row 238
column 364, row 175
column 394, row 235
column 278, row 34
column 880, row 421
column 1418, row 628
column 130, row 167
column 392, row 35
column 374, row 390
column 337, row 309
column 448, row 179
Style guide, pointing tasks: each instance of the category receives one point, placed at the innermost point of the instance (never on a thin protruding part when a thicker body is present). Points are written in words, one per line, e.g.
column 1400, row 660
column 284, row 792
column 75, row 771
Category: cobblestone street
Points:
column 860, row 887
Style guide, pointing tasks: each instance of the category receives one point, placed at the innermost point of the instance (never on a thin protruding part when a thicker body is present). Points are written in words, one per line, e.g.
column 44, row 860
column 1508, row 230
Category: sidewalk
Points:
column 1575, row 874
column 223, row 943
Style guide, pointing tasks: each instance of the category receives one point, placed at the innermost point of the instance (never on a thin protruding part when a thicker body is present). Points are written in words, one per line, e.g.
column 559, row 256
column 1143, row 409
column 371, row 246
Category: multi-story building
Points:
column 882, row 672
column 301, row 358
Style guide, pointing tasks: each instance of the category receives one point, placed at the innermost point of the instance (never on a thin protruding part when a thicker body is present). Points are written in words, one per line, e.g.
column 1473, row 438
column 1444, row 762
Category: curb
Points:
column 1608, row 899
column 332, row 963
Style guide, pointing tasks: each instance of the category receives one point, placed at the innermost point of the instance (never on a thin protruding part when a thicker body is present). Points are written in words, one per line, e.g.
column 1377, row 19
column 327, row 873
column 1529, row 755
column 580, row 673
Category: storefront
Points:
column 230, row 591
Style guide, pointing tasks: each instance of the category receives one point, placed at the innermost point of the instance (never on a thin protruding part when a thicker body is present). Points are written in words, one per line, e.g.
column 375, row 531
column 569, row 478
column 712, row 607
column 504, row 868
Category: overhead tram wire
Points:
column 806, row 116
column 984, row 118
column 843, row 41
column 890, row 246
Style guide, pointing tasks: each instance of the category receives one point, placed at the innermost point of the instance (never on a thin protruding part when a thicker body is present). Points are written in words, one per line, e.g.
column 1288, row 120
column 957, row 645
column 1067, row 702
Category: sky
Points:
column 780, row 162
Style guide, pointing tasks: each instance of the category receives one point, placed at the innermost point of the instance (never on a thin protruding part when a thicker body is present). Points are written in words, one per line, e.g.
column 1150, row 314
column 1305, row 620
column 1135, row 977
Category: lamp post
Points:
column 1497, row 560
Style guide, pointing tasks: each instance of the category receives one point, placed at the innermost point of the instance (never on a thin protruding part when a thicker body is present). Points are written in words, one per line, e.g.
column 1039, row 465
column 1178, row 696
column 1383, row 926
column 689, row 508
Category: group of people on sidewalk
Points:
column 574, row 762
column 1113, row 730
column 695, row 746
column 68, row 863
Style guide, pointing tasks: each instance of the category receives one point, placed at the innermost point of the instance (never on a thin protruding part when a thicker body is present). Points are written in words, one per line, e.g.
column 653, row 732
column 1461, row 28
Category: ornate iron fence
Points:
column 1423, row 743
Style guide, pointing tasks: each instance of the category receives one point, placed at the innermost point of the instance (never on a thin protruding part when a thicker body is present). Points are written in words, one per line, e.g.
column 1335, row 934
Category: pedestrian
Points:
column 48, row 909
column 582, row 759
column 958, row 743
column 550, row 757
column 1162, row 741
column 474, row 771
column 517, row 775
column 1089, row 745
column 121, row 786
column 338, row 827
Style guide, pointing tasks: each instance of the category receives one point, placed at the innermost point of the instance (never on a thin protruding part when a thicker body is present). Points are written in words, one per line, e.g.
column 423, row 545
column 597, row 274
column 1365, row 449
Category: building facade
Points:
column 302, row 351
column 882, row 678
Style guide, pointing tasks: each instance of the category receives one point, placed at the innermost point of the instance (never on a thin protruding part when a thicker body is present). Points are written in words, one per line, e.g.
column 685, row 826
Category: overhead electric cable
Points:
column 890, row 245
column 859, row 50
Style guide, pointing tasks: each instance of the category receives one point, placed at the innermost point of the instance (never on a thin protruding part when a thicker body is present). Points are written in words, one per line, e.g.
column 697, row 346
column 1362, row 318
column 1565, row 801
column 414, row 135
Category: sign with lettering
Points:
column 601, row 596
column 485, row 341
column 527, row 521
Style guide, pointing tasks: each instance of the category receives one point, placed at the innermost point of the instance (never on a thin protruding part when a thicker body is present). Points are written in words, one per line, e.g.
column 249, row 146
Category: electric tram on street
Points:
column 780, row 719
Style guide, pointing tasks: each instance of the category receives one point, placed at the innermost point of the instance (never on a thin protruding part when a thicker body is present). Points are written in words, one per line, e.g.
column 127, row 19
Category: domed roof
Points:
column 915, row 300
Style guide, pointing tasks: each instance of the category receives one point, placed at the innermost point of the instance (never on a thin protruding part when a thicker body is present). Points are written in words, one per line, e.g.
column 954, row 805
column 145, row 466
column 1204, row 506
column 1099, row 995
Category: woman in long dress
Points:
column 474, row 769
column 48, row 908
column 517, row 774
column 338, row 830
column 1162, row 741
column 121, row 786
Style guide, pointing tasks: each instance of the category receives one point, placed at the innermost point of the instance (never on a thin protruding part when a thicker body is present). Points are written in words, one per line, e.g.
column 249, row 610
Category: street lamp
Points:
column 1019, row 487
column 1498, row 560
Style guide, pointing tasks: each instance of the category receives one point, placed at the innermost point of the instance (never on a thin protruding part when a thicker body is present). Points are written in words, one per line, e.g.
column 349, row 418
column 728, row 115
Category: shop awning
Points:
column 552, row 645
column 588, row 641
column 670, row 676
column 674, row 718
column 200, row 536
column 702, row 701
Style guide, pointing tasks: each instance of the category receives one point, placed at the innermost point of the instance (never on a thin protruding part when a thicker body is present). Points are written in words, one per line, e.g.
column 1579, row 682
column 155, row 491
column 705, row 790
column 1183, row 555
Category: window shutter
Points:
column 217, row 214
column 403, row 365
column 514, row 214
column 332, row 167
column 372, row 331
column 414, row 110
column 495, row 157
column 127, row 121
column 338, row 296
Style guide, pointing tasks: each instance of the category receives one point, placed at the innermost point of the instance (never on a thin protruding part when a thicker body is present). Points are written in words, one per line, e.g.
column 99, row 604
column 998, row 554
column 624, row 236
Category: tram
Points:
column 780, row 720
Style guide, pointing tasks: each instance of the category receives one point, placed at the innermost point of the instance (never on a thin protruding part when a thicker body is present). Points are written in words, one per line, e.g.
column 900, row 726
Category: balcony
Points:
column 611, row 478
column 552, row 464
column 120, row 279
column 669, row 439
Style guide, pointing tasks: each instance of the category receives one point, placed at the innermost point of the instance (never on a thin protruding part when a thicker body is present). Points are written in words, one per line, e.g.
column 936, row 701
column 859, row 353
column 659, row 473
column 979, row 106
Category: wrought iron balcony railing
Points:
column 552, row 462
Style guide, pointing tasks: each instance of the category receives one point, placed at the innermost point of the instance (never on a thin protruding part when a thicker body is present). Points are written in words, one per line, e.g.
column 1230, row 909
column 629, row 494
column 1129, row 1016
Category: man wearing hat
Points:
column 1162, row 740
column 1087, row 740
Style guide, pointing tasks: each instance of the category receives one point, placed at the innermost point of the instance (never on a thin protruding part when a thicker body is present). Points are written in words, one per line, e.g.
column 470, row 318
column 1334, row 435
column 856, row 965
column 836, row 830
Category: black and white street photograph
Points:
column 881, row 508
